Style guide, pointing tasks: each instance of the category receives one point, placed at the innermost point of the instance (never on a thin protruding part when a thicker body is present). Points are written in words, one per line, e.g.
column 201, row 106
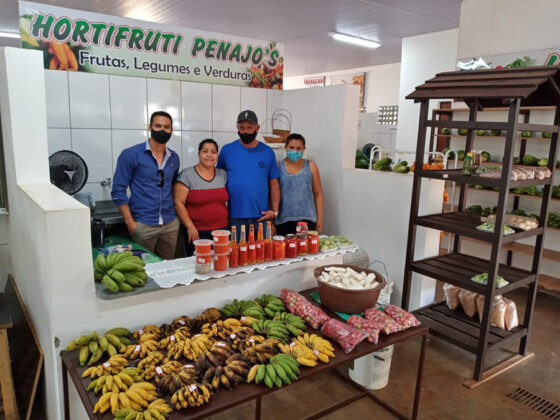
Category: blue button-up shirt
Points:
column 138, row 169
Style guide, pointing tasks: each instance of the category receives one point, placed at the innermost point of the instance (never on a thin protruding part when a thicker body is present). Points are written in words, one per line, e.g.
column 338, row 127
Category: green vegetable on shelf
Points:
column 487, row 211
column 462, row 131
column 526, row 133
column 489, row 227
column 530, row 160
column 543, row 162
column 474, row 209
column 480, row 132
column 516, row 160
column 546, row 134
column 495, row 132
column 483, row 279
column 461, row 154
column 485, row 156
column 446, row 131
column 450, row 156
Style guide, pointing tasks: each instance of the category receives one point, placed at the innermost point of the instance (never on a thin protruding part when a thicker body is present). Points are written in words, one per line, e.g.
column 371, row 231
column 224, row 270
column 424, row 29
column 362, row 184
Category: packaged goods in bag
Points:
column 499, row 314
column 468, row 301
column 383, row 322
column 362, row 324
column 404, row 318
column 345, row 335
column 512, row 321
column 451, row 295
column 297, row 304
column 480, row 304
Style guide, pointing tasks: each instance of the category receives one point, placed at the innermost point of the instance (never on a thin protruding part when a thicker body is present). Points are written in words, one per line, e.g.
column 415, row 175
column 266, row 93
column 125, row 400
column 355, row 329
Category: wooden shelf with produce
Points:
column 514, row 194
column 524, row 90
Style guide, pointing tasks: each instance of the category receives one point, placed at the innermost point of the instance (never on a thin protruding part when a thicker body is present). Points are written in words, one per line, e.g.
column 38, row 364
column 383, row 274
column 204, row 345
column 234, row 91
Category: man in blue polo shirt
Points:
column 149, row 169
column 252, row 174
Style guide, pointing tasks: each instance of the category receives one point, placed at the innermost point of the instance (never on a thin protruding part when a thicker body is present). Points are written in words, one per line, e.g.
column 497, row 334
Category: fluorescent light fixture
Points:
column 354, row 40
column 9, row 35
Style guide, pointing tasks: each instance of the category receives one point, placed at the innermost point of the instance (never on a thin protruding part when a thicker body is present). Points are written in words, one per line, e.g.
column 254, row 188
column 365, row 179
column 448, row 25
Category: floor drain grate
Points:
column 533, row 401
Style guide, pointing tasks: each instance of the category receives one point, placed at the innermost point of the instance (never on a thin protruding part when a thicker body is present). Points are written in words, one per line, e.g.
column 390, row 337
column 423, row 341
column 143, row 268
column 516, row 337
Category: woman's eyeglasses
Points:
column 161, row 178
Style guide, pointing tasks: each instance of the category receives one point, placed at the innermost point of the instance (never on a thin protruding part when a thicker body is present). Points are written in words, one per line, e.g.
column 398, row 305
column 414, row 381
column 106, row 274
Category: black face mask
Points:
column 247, row 137
column 161, row 136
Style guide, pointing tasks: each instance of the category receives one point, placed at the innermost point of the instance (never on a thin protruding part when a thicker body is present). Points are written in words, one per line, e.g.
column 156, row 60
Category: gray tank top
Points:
column 297, row 201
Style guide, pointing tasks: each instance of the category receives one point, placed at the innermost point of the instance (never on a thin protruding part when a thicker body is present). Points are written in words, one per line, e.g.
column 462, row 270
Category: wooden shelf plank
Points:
column 514, row 194
column 489, row 137
column 456, row 175
column 500, row 109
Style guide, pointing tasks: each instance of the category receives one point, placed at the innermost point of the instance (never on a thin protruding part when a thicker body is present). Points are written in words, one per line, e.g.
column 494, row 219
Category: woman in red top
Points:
column 200, row 196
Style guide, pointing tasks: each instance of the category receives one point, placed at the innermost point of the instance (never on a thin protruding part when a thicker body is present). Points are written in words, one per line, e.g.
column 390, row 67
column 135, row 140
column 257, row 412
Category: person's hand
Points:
column 319, row 227
column 131, row 226
column 192, row 233
column 267, row 215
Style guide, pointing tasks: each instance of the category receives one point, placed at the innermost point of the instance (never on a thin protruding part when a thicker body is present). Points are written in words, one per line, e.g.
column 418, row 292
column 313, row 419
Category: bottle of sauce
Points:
column 242, row 254
column 234, row 251
column 268, row 242
column 252, row 251
column 260, row 244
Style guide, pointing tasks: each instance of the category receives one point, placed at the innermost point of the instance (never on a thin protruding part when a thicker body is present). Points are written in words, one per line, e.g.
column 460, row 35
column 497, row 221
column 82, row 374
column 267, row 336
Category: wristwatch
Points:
column 275, row 214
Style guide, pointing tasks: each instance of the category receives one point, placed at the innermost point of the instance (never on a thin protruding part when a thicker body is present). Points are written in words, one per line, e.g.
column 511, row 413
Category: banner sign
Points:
column 318, row 81
column 74, row 40
column 546, row 57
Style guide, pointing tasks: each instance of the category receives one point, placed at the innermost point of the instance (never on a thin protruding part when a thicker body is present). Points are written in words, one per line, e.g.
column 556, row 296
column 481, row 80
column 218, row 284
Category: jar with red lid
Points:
column 313, row 242
column 279, row 248
column 291, row 246
column 301, row 227
column 302, row 244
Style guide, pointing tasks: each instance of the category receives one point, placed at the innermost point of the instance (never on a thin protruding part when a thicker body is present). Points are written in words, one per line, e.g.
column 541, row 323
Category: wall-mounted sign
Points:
column 352, row 79
column 314, row 81
column 548, row 57
column 74, row 40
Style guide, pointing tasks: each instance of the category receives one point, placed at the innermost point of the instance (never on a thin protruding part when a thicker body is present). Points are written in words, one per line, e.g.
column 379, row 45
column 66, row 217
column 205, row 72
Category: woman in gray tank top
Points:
column 300, row 186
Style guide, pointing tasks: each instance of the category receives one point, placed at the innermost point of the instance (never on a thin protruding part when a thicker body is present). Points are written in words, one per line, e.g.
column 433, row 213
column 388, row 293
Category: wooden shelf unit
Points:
column 481, row 90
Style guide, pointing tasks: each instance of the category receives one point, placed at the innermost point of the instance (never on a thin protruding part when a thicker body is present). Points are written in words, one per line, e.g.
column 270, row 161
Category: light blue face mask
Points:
column 294, row 155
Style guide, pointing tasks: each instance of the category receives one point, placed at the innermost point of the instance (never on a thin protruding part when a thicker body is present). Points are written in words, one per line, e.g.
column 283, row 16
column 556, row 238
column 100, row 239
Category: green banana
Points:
column 84, row 340
column 271, row 372
column 121, row 256
column 92, row 384
column 133, row 281
column 72, row 345
column 94, row 335
column 280, row 372
column 93, row 347
column 119, row 331
column 110, row 283
column 84, row 353
column 111, row 350
column 125, row 340
column 103, row 343
column 116, row 275
column 125, row 287
column 128, row 266
column 268, row 381
column 113, row 339
column 261, row 372
column 98, row 275
column 94, row 358
column 101, row 262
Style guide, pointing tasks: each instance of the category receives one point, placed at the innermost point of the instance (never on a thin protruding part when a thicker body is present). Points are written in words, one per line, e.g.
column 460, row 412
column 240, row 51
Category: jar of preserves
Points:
column 313, row 242
column 291, row 246
column 279, row 248
column 301, row 227
column 302, row 244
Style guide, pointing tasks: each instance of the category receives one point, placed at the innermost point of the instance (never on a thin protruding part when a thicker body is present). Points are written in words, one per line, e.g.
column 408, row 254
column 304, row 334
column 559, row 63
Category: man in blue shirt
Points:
column 252, row 174
column 149, row 169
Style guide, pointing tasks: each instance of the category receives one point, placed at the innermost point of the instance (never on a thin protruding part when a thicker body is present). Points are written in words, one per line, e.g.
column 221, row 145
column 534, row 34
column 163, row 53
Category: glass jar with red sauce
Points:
column 302, row 244
column 291, row 246
column 279, row 248
column 312, row 242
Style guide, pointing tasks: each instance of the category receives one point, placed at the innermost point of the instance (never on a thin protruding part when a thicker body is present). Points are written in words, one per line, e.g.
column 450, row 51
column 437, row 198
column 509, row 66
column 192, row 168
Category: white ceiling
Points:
column 302, row 25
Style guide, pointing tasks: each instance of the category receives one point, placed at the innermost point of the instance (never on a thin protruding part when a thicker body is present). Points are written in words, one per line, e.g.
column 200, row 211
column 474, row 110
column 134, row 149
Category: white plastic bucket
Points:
column 372, row 371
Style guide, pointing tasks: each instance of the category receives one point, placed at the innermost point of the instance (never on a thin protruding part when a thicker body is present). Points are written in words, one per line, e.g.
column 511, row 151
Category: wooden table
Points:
column 8, row 400
column 246, row 392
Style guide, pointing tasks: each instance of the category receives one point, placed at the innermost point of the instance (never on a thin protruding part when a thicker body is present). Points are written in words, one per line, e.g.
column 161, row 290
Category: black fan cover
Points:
column 68, row 171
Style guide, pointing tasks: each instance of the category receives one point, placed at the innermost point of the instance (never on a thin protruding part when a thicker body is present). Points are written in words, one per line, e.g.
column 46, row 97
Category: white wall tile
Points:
column 165, row 95
column 226, row 107
column 190, row 140
column 59, row 139
column 89, row 100
column 224, row 137
column 99, row 192
column 129, row 107
column 175, row 144
column 94, row 146
column 196, row 99
column 121, row 139
column 56, row 89
column 274, row 101
column 255, row 100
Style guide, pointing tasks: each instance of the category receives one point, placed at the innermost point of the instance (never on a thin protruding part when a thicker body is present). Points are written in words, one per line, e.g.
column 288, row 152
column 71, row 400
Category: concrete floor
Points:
column 443, row 395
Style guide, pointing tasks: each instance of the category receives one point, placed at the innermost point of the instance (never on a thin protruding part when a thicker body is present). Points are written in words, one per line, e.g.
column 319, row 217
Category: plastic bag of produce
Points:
column 483, row 279
column 511, row 319
column 406, row 319
column 468, row 301
column 480, row 304
column 451, row 295
column 345, row 335
column 370, row 327
column 383, row 322
column 499, row 314
column 297, row 304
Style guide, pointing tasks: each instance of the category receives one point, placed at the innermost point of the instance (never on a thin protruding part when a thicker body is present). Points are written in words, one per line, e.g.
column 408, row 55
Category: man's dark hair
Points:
column 295, row 136
column 160, row 114
column 205, row 141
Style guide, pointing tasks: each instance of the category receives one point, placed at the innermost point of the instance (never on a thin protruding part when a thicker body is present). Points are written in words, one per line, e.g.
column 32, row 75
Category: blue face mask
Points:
column 294, row 155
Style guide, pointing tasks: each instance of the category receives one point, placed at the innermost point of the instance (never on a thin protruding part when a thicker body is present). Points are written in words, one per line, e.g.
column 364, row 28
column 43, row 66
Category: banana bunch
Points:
column 137, row 396
column 209, row 315
column 293, row 323
column 96, row 346
column 113, row 383
column 190, row 348
column 303, row 354
column 152, row 359
column 260, row 352
column 321, row 347
column 221, row 329
column 239, row 308
column 156, row 410
column 113, row 366
column 147, row 329
column 271, row 305
column 282, row 369
column 193, row 395
column 272, row 329
column 233, row 372
column 180, row 334
column 181, row 321
column 237, row 340
column 249, row 342
column 247, row 320
column 120, row 271
column 169, row 384
column 218, row 354
column 168, row 367
column 134, row 351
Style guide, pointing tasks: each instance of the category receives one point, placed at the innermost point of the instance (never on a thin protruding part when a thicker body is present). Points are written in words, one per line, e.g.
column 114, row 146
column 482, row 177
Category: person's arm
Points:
column 121, row 181
column 180, row 194
column 274, row 192
column 221, row 160
column 317, row 194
